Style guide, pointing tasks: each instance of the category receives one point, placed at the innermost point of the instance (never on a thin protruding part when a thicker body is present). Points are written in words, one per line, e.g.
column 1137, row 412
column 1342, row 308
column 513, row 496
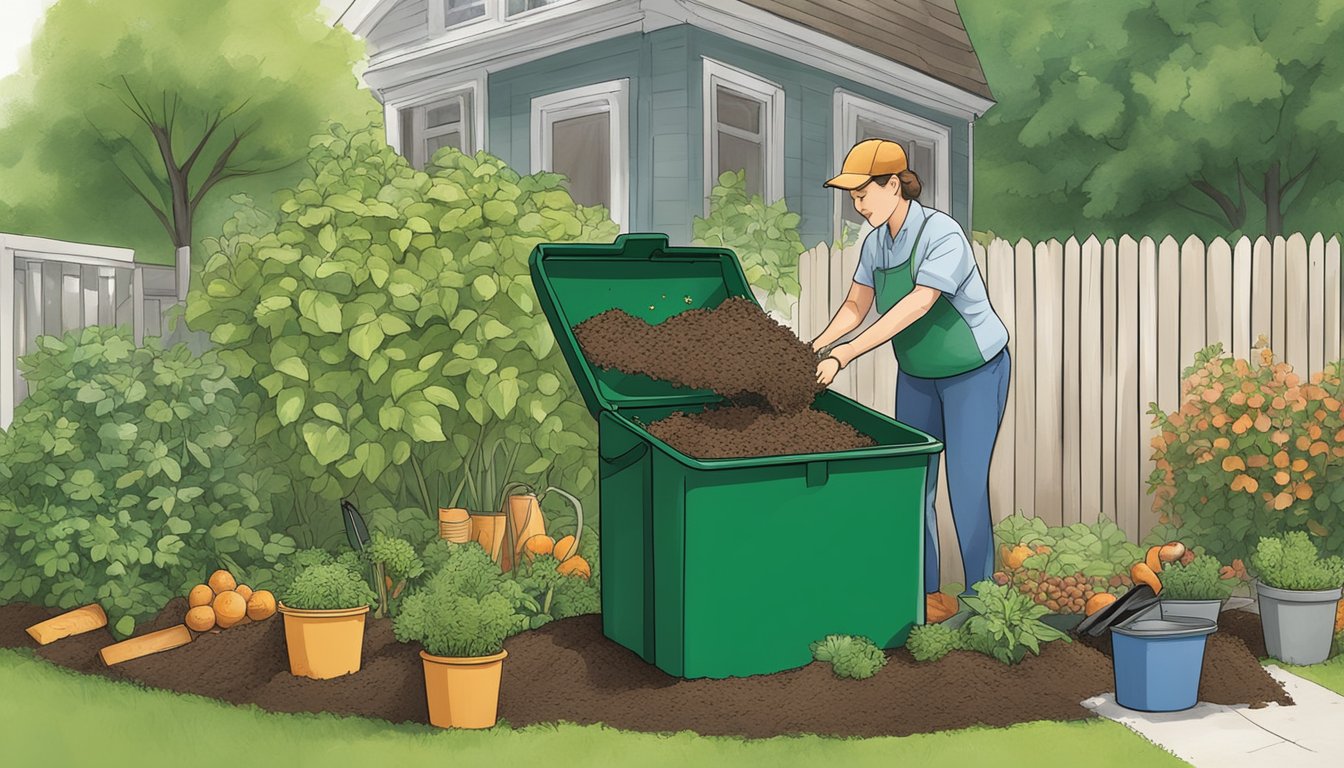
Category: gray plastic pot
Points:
column 1298, row 625
column 1192, row 609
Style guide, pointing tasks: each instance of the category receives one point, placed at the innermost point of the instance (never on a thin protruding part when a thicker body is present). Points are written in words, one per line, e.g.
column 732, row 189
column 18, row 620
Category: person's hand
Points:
column 827, row 370
column 816, row 346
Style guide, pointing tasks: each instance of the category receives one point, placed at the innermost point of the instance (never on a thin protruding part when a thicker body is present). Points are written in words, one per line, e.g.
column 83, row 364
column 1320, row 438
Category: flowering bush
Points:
column 1252, row 451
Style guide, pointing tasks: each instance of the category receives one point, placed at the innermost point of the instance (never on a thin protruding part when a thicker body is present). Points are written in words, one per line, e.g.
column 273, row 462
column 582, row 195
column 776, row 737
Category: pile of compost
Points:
column 567, row 671
column 767, row 375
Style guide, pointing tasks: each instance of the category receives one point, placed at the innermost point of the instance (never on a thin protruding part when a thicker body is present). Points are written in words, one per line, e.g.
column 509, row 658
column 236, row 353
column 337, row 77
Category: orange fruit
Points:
column 1098, row 601
column 201, row 618
column 261, row 606
column 244, row 590
column 222, row 581
column 230, row 608
column 939, row 607
column 538, row 545
column 575, row 566
column 1016, row 556
column 564, row 548
column 200, row 595
column 1142, row 574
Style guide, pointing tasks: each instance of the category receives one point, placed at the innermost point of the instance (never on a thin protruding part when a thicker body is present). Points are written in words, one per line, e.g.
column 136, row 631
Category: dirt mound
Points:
column 734, row 349
column 737, row 432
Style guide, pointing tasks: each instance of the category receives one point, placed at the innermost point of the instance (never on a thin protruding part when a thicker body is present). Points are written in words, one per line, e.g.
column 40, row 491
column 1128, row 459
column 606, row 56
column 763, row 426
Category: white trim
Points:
column 613, row 98
column 771, row 96
column 438, row 19
column 850, row 108
column 436, row 89
column 62, row 250
column 504, row 5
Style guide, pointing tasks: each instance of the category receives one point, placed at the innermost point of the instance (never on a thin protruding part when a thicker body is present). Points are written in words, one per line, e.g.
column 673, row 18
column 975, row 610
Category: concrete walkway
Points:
column 1311, row 733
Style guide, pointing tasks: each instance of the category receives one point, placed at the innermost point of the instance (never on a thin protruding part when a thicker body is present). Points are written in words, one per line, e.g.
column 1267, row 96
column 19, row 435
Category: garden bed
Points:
column 567, row 671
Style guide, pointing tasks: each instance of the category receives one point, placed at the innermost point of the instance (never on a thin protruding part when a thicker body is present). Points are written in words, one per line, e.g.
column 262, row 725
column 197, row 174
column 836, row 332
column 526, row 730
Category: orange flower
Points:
column 1278, row 404
column 1303, row 492
column 1212, row 394
column 1314, row 432
column 1319, row 448
column 1291, row 379
column 1242, row 424
column 1303, row 443
column 1246, row 483
column 1281, row 477
column 1222, row 443
column 1233, row 464
column 1281, row 459
column 1262, row 423
column 1283, row 501
column 1299, row 465
column 1238, row 398
column 1331, row 404
column 1257, row 461
column 1255, row 401
column 1310, row 473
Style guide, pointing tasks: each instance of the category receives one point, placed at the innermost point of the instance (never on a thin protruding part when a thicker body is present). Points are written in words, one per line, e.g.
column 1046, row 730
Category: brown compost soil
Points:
column 767, row 375
column 568, row 671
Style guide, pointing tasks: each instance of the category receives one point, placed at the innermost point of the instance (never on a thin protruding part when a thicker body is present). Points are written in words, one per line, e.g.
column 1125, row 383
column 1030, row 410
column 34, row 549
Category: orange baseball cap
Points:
column 873, row 157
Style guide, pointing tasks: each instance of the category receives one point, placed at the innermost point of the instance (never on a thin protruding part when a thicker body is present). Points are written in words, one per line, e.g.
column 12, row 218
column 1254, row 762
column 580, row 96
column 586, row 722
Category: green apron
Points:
column 937, row 345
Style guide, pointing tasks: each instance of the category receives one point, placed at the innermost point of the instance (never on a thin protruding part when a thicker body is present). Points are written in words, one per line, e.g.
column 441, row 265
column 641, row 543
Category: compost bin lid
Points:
column 1131, row 604
column 644, row 276
column 1187, row 627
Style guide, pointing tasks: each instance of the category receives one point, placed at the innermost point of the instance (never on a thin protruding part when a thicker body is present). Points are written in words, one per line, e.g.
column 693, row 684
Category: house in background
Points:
column 643, row 103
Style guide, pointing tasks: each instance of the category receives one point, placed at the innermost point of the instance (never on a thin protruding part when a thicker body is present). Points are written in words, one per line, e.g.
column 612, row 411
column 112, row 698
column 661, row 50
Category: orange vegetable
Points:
column 201, row 618
column 564, row 548
column 1171, row 552
column 939, row 607
column 244, row 590
column 200, row 595
column 261, row 606
column 222, row 581
column 1142, row 574
column 1016, row 556
column 1153, row 559
column 575, row 566
column 538, row 545
column 230, row 608
column 1098, row 601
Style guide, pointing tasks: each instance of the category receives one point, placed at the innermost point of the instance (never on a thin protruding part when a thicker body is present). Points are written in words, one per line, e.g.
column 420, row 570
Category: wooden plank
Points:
column 1071, row 455
column 1218, row 297
column 1315, row 304
column 1168, row 336
column 1242, row 334
column 1049, row 381
column 1193, row 313
column 1296, row 346
column 1146, row 382
column 1001, row 297
column 1278, row 297
column 1024, row 288
column 51, row 295
column 1332, row 300
column 1090, row 395
column 69, row 624
column 1262, row 292
column 154, row 642
column 1110, row 298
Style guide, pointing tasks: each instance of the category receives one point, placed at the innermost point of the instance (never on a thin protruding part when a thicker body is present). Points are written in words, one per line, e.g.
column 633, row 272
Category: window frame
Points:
column 506, row 16
column 611, row 97
column 431, row 93
column 771, row 97
column 439, row 25
column 850, row 108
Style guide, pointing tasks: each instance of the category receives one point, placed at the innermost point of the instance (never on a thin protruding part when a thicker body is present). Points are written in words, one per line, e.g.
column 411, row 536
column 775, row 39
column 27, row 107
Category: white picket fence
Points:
column 1098, row 331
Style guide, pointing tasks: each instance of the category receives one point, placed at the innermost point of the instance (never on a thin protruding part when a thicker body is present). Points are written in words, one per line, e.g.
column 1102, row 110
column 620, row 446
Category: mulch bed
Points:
column 568, row 671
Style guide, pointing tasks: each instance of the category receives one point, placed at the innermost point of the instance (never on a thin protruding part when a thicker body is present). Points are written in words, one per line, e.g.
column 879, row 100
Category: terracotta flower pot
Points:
column 455, row 525
column 324, row 644
column 463, row 692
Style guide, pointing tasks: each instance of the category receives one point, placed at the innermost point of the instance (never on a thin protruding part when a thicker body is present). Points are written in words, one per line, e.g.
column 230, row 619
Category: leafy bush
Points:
column 764, row 237
column 850, row 656
column 130, row 474
column 931, row 642
column 289, row 569
column 1253, row 451
column 1005, row 623
column 389, row 316
column 395, row 564
column 557, row 596
column 1099, row 549
column 1202, row 579
column 1291, row 561
column 328, row 587
column 467, row 607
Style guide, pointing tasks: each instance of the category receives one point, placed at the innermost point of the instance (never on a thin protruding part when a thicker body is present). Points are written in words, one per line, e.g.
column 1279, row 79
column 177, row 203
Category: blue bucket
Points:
column 1158, row 663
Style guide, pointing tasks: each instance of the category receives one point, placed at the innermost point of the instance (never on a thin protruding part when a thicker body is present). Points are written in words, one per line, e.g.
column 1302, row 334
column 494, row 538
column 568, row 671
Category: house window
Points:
column 744, row 129
column 516, row 7
column 444, row 14
column 927, row 147
column 427, row 128
column 583, row 135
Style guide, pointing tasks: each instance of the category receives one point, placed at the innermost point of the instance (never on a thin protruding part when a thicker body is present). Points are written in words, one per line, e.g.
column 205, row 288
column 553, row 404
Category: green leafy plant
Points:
column 129, row 473
column 395, row 563
column 388, row 315
column 1200, row 580
column 850, row 656
column 1061, row 567
column 931, row 642
column 558, row 596
column 1292, row 561
column 467, row 607
column 328, row 587
column 1005, row 623
column 764, row 237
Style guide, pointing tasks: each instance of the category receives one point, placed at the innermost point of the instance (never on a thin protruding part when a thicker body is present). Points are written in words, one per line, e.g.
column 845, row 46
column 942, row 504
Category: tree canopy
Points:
column 132, row 121
column 1212, row 117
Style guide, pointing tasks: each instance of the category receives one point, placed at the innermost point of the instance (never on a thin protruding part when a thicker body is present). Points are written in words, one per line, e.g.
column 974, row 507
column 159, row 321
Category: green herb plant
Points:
column 1005, row 623
column 328, row 587
column 1200, row 580
column 931, row 642
column 395, row 563
column 849, row 656
column 1292, row 562
column 466, row 608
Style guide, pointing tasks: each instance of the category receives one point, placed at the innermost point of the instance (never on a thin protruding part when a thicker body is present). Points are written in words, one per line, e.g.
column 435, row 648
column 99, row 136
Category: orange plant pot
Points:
column 455, row 525
column 324, row 644
column 463, row 692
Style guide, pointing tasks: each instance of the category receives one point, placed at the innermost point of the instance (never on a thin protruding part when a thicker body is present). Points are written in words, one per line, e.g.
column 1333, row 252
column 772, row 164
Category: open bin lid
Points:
column 642, row 275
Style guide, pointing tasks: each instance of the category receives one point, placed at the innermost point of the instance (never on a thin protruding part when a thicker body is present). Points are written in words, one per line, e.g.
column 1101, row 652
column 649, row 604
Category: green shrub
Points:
column 931, row 642
column 764, row 237
column 395, row 564
column 1291, row 561
column 850, row 656
column 1005, row 623
column 389, row 316
column 557, row 596
column 328, row 587
column 1092, row 550
column 288, row 569
column 130, row 474
column 1200, row 580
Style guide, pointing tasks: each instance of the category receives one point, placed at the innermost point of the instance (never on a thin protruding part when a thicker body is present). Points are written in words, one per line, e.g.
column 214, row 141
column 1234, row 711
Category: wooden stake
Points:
column 70, row 623
column 154, row 642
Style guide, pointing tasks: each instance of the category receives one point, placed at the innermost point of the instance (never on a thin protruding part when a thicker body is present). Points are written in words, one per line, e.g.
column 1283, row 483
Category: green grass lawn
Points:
column 1330, row 674
column 55, row 717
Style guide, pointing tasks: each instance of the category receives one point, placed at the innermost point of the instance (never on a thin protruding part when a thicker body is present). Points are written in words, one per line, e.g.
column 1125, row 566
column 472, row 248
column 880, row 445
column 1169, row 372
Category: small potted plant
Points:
column 324, row 609
column 1197, row 590
column 461, row 617
column 1298, row 592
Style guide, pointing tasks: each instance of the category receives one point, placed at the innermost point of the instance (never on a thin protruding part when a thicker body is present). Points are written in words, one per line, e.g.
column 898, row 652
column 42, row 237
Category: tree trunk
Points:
column 182, row 263
column 1273, row 202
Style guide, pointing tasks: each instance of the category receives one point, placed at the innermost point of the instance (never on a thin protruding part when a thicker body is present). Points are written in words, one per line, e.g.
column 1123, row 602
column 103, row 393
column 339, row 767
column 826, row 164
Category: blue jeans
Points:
column 963, row 412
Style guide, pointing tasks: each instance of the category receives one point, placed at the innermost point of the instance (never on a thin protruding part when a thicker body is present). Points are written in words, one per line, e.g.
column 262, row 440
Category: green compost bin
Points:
column 731, row 567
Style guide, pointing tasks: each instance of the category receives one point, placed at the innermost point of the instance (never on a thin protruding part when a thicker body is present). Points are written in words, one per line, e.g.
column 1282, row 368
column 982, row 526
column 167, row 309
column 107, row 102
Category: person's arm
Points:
column 848, row 317
column 897, row 319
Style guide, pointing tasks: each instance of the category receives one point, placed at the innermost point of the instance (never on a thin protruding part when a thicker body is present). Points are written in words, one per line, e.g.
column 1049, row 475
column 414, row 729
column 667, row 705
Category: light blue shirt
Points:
column 945, row 263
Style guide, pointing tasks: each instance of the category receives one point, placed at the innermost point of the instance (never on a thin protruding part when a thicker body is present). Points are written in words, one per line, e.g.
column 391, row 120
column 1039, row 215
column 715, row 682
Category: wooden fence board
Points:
column 1110, row 379
column 1088, row 343
column 1148, row 343
column 1296, row 346
column 1242, row 334
column 1071, row 456
column 1049, row 381
column 1218, row 295
column 1315, row 317
column 1262, row 292
column 1168, row 336
column 1332, row 300
column 1001, row 471
column 1278, row 295
column 1025, row 402
column 1193, row 312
